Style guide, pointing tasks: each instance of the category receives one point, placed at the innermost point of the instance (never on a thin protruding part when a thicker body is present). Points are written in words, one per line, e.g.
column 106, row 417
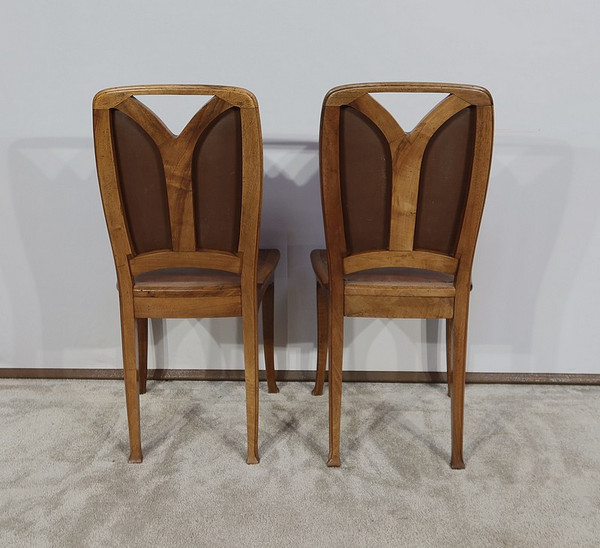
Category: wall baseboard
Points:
column 304, row 375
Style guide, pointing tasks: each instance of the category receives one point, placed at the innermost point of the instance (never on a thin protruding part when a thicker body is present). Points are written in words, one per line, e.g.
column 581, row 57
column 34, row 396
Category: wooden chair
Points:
column 183, row 215
column 401, row 212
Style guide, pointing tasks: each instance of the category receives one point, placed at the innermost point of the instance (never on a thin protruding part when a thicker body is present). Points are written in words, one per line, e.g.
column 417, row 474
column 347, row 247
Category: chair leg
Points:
column 268, row 316
column 459, row 355
column 250, row 334
column 336, row 354
column 322, row 336
column 131, row 381
column 142, row 339
column 449, row 342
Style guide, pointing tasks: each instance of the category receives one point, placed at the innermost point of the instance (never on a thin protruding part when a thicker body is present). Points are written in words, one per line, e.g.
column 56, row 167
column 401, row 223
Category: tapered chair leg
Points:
column 131, row 381
column 250, row 334
column 142, row 339
column 449, row 343
column 336, row 354
column 459, row 356
column 268, row 316
column 322, row 339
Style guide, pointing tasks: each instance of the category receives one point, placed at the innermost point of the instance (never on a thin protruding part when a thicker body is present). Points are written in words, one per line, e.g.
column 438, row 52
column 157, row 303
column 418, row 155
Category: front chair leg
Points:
column 268, row 316
column 322, row 342
column 459, row 355
column 142, row 338
column 131, row 382
column 336, row 351
column 250, row 334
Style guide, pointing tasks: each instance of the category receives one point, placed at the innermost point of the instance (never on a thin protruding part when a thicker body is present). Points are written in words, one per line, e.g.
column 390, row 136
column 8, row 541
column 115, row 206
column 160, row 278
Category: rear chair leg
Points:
column 336, row 353
column 459, row 355
column 250, row 334
column 142, row 338
column 322, row 339
column 131, row 381
column 268, row 316
column 449, row 343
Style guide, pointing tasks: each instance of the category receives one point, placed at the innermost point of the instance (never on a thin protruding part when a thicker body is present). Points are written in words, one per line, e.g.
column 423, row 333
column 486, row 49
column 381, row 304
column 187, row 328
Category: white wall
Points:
column 534, row 306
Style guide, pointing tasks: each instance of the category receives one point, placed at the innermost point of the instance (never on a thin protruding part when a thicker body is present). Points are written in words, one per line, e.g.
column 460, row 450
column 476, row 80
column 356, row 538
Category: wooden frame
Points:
column 338, row 295
column 252, row 272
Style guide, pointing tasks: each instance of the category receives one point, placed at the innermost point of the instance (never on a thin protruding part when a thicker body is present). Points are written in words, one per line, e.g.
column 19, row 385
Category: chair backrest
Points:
column 187, row 200
column 392, row 198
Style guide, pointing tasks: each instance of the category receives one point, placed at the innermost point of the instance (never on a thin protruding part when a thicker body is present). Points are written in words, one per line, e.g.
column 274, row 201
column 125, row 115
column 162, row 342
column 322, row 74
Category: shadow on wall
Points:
column 536, row 230
column 65, row 307
column 292, row 222
column 63, row 292
column 60, row 292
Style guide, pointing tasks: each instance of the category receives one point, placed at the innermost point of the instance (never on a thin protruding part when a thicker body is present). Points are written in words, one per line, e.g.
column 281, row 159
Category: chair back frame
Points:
column 406, row 151
column 176, row 155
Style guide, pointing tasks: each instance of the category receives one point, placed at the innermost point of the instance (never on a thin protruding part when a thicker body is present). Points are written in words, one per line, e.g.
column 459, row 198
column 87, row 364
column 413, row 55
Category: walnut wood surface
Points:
column 186, row 281
column 400, row 281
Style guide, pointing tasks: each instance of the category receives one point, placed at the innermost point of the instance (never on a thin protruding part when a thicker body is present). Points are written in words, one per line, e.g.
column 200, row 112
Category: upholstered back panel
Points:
column 142, row 185
column 444, row 184
column 366, row 182
column 217, row 183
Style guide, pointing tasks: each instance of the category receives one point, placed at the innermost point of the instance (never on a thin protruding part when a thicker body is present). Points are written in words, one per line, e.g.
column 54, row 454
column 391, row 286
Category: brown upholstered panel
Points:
column 142, row 183
column 366, row 182
column 217, row 183
column 444, row 184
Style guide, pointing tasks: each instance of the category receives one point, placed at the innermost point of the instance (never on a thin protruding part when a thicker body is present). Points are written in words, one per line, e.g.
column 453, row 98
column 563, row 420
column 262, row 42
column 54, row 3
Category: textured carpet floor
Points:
column 532, row 477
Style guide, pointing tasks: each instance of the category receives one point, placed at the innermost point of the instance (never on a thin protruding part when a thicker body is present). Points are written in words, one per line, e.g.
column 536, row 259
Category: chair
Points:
column 183, row 215
column 401, row 213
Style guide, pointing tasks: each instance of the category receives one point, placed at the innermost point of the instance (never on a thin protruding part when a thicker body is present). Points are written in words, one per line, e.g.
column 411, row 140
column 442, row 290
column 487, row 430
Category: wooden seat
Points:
column 402, row 212
column 198, row 282
column 387, row 281
column 183, row 215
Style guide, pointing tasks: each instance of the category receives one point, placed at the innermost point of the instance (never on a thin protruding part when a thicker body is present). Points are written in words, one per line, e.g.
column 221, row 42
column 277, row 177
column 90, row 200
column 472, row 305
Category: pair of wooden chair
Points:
column 401, row 211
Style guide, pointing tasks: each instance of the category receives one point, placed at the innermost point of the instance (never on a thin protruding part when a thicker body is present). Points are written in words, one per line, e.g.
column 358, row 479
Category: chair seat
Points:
column 389, row 281
column 202, row 282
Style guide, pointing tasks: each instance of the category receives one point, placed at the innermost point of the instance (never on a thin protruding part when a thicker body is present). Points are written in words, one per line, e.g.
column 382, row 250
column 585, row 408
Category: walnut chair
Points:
column 183, row 215
column 401, row 213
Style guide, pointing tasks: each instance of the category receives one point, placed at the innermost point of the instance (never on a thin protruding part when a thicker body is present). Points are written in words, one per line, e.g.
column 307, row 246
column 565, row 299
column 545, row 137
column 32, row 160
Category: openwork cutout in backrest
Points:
column 198, row 191
column 404, row 195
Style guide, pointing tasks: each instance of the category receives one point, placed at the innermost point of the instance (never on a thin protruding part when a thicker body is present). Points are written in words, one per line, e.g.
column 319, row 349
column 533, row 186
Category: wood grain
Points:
column 343, row 95
column 378, row 306
column 112, row 97
column 155, row 260
column 410, row 259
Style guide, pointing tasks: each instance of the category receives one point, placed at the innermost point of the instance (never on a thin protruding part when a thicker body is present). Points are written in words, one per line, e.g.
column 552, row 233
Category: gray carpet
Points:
column 532, row 477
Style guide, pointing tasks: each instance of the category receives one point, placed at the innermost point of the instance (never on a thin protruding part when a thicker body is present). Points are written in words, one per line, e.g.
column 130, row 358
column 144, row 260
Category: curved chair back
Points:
column 404, row 199
column 187, row 200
